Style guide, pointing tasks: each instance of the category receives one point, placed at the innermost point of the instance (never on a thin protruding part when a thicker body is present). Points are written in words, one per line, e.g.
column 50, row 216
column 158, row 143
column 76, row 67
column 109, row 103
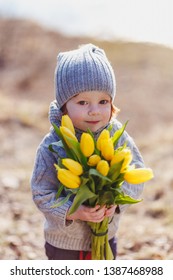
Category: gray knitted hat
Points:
column 84, row 69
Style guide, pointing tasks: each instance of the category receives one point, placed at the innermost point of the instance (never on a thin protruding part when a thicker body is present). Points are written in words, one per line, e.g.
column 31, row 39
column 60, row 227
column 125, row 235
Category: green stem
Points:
column 99, row 242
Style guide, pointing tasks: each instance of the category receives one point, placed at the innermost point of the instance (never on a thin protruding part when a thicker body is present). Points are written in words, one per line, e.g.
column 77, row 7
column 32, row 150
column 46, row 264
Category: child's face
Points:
column 89, row 110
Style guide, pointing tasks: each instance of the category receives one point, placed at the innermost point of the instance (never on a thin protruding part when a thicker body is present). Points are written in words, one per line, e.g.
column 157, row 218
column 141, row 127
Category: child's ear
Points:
column 64, row 110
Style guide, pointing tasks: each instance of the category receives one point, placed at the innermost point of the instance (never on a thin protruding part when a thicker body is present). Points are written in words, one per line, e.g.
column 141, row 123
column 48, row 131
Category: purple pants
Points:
column 54, row 253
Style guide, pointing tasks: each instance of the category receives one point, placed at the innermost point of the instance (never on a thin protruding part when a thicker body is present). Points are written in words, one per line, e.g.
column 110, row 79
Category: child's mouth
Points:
column 92, row 122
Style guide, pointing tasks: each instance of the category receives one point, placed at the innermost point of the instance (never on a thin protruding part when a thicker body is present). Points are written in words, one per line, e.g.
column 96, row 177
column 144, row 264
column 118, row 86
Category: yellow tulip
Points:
column 93, row 160
column 74, row 166
column 120, row 155
column 68, row 179
column 107, row 148
column 138, row 175
column 66, row 121
column 103, row 167
column 87, row 144
column 103, row 135
column 67, row 132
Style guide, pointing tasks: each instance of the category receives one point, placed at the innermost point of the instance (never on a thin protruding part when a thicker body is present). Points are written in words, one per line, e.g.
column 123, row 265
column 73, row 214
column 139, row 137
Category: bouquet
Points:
column 93, row 173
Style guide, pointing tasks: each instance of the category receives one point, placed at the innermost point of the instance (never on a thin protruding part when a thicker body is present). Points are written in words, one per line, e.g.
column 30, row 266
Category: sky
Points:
column 134, row 20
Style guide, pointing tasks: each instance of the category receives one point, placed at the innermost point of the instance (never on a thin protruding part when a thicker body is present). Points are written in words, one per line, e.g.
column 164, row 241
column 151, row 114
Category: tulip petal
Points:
column 87, row 144
column 66, row 121
column 138, row 175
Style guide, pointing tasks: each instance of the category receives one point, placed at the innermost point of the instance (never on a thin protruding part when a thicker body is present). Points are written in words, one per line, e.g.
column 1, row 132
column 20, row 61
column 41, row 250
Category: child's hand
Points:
column 95, row 214
column 109, row 212
column 89, row 214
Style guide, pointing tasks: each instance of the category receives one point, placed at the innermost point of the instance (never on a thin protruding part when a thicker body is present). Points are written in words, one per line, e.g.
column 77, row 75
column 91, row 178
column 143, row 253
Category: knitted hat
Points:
column 84, row 69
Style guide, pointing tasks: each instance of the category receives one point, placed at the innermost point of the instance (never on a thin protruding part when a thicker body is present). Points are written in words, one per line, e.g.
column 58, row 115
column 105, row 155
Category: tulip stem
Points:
column 99, row 242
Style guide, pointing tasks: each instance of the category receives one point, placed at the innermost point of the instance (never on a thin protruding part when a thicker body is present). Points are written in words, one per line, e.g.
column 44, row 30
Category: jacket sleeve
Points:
column 44, row 185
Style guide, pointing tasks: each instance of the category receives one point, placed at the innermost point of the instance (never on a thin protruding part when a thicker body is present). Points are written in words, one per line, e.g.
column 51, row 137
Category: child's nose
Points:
column 93, row 110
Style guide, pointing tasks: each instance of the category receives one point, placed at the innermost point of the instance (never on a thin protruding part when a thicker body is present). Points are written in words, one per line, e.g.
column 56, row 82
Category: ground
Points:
column 144, row 95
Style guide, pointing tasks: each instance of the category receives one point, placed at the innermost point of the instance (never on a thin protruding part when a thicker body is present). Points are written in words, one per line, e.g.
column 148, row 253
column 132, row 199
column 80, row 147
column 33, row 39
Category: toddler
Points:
column 85, row 89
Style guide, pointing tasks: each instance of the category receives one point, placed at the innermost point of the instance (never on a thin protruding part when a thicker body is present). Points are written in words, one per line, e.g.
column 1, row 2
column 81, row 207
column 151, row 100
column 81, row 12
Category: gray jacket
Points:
column 58, row 231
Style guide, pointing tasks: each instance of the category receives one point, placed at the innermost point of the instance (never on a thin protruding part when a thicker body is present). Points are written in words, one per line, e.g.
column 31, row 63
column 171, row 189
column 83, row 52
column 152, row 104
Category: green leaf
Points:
column 106, row 198
column 61, row 202
column 61, row 187
column 125, row 199
column 114, row 189
column 99, row 180
column 110, row 127
column 118, row 134
column 116, row 185
column 91, row 184
column 92, row 201
column 54, row 145
column 84, row 181
column 82, row 195
column 114, row 170
column 57, row 130
column 94, row 172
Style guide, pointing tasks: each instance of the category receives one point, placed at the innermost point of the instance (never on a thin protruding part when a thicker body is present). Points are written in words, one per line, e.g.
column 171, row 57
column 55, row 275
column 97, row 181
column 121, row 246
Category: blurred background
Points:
column 137, row 38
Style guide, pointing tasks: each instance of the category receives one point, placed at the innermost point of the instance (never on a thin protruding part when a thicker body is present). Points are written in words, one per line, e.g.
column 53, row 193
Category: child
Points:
column 85, row 88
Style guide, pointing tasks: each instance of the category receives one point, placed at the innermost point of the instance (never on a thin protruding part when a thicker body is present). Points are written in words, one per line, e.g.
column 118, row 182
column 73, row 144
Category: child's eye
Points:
column 82, row 102
column 104, row 101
